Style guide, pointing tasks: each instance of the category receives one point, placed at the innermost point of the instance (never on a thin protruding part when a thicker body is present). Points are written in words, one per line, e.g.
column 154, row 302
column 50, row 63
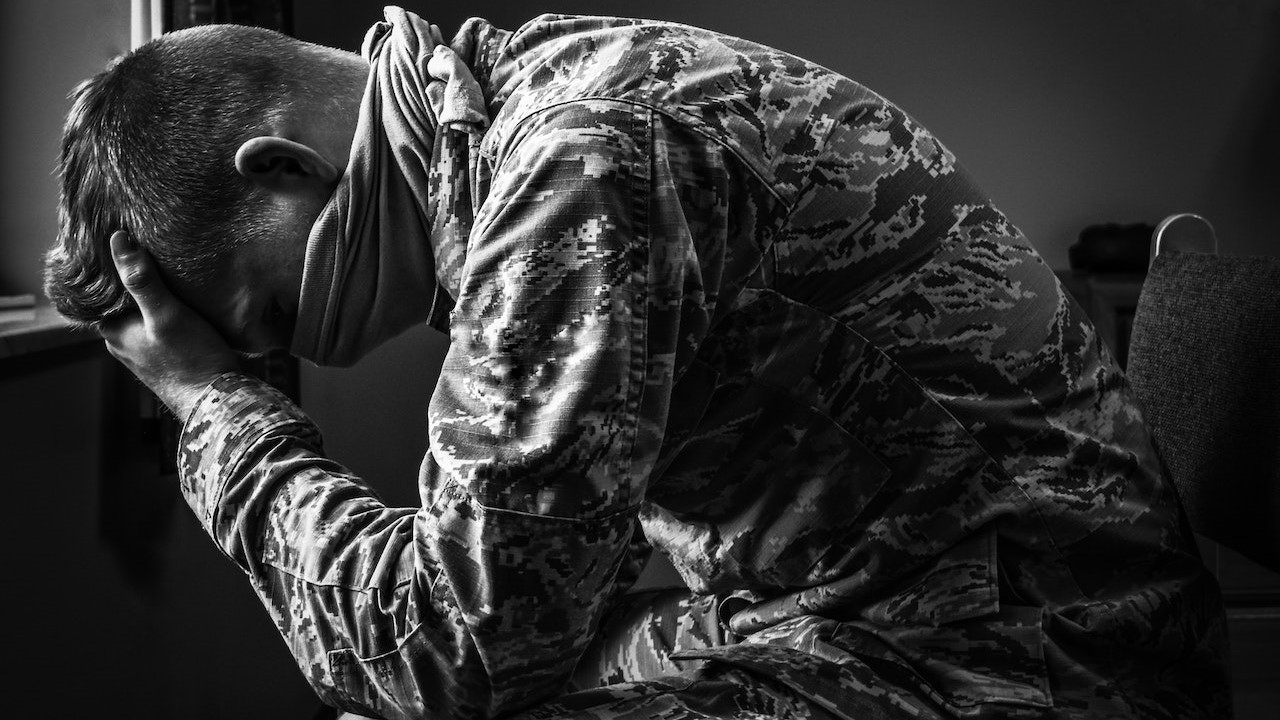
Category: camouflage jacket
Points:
column 744, row 299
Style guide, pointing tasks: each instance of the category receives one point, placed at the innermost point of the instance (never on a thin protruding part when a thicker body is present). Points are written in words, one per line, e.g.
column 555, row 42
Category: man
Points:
column 689, row 281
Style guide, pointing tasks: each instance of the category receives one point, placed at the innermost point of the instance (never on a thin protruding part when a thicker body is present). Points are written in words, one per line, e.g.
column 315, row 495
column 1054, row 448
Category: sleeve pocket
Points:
column 389, row 685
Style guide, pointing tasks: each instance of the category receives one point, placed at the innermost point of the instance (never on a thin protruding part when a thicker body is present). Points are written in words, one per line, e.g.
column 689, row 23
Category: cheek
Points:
column 283, row 275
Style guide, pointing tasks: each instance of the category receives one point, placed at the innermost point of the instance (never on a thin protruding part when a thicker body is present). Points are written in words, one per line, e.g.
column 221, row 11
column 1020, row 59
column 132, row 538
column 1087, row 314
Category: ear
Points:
column 277, row 163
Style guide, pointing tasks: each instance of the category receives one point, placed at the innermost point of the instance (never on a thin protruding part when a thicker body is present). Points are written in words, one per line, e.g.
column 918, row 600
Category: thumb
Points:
column 138, row 273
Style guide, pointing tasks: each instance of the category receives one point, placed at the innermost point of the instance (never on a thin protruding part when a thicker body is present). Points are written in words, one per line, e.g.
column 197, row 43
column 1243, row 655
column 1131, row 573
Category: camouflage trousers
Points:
column 633, row 670
column 629, row 672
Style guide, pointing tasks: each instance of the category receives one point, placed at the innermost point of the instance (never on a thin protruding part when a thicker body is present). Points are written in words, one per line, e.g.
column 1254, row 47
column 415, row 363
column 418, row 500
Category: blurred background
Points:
column 1070, row 115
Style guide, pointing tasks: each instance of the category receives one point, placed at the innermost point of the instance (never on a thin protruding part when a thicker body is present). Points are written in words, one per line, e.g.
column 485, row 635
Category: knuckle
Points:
column 135, row 277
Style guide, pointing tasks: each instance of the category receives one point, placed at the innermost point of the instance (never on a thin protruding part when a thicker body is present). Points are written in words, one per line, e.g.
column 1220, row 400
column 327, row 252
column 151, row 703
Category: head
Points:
column 215, row 148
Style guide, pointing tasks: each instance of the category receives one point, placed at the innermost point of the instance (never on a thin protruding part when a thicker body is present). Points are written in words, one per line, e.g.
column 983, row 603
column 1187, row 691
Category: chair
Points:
column 1204, row 362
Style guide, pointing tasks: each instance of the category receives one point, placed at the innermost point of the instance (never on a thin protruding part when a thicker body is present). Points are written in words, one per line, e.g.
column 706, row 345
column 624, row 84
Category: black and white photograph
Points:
column 804, row 359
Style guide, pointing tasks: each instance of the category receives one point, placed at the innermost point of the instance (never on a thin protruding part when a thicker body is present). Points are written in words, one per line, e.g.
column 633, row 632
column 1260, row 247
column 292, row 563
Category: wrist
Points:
column 181, row 397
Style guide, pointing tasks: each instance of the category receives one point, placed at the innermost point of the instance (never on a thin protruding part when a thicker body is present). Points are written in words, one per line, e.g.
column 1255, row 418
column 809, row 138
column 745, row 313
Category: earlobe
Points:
column 275, row 162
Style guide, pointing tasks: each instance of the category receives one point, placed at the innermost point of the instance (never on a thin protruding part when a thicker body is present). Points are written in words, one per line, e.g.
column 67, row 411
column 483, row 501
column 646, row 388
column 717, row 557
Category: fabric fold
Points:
column 371, row 268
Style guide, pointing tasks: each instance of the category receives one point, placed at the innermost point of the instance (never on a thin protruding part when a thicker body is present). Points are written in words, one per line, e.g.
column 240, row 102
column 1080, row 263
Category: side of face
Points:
column 295, row 165
column 252, row 298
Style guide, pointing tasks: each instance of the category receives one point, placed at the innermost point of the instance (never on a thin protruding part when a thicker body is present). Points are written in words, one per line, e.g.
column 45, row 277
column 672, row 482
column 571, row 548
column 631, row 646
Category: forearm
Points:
column 453, row 608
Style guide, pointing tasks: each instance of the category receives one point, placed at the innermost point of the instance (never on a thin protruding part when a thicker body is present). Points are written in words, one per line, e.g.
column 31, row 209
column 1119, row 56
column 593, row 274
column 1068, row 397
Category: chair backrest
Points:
column 1204, row 362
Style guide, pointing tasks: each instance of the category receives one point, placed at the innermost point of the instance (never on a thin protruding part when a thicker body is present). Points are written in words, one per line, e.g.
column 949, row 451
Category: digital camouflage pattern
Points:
column 717, row 288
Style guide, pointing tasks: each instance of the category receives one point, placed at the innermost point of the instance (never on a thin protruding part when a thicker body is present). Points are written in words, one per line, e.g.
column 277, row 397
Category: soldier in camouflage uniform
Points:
column 707, row 297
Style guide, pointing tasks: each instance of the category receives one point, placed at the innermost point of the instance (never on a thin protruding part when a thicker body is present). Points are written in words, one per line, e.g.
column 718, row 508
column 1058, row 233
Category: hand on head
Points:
column 166, row 344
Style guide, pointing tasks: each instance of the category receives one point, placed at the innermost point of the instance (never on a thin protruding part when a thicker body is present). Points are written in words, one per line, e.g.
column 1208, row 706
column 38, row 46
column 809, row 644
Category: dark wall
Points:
column 45, row 49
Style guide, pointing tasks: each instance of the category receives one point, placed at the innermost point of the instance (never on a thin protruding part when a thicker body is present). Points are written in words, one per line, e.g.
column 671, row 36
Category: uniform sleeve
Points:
column 580, row 294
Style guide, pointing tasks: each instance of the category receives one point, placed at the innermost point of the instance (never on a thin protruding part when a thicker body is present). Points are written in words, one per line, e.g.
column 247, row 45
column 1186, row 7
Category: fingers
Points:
column 138, row 273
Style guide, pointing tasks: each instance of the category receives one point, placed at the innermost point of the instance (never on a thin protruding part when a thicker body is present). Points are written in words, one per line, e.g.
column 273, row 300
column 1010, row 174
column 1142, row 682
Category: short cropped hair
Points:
column 149, row 147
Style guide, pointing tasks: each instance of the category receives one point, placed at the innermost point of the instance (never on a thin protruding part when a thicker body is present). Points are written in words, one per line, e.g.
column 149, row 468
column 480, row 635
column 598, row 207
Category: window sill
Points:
column 35, row 329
